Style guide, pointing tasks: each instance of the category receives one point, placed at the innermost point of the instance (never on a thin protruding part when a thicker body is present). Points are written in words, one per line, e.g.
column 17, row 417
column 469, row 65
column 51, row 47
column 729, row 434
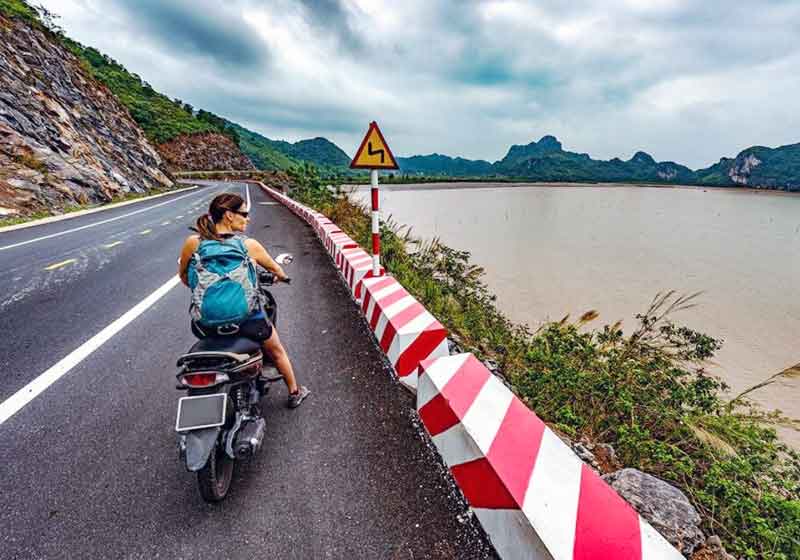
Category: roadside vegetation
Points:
column 646, row 393
column 160, row 117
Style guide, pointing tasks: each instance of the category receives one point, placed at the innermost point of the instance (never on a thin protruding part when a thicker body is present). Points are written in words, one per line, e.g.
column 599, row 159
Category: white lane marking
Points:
column 269, row 203
column 60, row 264
column 165, row 223
column 109, row 245
column 247, row 193
column 15, row 402
column 179, row 217
column 70, row 215
column 87, row 226
column 145, row 232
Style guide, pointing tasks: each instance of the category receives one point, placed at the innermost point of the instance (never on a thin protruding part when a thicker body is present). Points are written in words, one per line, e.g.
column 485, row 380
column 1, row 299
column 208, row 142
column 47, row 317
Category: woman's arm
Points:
column 259, row 254
column 189, row 247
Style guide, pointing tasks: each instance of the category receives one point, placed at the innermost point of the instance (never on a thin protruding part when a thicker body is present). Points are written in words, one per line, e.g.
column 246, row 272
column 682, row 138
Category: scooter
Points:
column 220, row 420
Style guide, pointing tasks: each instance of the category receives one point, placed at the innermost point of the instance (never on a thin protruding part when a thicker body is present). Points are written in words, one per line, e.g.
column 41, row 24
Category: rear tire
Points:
column 214, row 479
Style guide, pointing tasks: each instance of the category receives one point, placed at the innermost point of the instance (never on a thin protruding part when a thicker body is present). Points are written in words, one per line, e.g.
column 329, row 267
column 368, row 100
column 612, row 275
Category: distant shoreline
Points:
column 456, row 185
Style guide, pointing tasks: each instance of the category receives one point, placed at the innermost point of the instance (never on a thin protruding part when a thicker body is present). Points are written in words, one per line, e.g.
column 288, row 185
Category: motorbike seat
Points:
column 232, row 344
column 216, row 349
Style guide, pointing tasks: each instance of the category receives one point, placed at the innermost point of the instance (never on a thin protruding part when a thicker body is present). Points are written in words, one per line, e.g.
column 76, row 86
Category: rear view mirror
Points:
column 284, row 258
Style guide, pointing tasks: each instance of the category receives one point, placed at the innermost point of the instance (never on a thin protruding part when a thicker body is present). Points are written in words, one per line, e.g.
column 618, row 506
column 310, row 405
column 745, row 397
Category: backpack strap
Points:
column 239, row 241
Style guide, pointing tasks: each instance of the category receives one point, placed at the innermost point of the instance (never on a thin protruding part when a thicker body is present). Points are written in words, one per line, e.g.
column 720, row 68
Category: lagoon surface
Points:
column 557, row 249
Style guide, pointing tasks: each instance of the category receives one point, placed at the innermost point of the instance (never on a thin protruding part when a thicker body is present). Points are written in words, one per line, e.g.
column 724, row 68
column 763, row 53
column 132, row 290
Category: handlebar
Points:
column 267, row 278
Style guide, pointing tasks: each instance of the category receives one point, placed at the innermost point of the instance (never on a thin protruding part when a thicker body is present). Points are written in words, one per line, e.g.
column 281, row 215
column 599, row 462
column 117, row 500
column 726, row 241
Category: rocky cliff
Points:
column 757, row 167
column 64, row 138
column 204, row 151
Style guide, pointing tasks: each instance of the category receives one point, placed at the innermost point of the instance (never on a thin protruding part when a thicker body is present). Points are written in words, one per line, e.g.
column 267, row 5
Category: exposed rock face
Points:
column 740, row 171
column 64, row 138
column 204, row 151
column 665, row 507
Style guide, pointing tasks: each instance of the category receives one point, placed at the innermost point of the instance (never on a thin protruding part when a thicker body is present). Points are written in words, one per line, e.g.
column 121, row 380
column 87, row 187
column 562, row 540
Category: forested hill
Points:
column 279, row 154
column 546, row 160
column 776, row 168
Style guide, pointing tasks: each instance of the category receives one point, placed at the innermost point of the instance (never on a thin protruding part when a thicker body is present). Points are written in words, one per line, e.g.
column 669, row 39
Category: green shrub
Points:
column 19, row 9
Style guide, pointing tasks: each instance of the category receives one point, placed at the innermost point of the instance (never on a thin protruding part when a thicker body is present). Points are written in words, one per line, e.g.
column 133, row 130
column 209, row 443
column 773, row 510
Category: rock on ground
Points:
column 713, row 550
column 665, row 507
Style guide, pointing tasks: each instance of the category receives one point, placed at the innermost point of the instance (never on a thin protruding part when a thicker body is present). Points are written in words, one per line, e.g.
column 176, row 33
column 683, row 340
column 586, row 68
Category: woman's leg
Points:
column 275, row 349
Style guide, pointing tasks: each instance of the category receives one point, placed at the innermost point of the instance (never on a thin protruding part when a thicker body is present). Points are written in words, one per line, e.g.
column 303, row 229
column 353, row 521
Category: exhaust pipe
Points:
column 250, row 438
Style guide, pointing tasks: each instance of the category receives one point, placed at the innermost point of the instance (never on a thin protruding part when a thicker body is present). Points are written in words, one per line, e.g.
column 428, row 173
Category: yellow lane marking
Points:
column 60, row 264
column 165, row 223
column 108, row 246
column 145, row 232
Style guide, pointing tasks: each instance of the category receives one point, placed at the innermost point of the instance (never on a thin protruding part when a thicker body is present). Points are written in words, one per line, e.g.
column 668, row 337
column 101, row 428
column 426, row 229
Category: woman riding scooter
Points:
column 225, row 223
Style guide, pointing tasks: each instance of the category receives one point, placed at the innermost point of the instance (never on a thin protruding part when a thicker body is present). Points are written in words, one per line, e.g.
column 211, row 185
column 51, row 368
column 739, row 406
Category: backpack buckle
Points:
column 227, row 330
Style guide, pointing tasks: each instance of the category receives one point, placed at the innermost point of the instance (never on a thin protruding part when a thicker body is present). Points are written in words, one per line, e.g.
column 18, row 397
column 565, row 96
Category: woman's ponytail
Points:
column 206, row 224
column 206, row 228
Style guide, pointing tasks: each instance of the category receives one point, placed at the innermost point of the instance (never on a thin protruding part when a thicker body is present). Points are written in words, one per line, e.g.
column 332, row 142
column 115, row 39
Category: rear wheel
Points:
column 214, row 479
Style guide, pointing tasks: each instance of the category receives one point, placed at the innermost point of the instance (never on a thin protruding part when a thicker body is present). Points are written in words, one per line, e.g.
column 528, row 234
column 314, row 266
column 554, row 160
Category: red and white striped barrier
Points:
column 325, row 231
column 356, row 265
column 406, row 332
column 534, row 497
column 322, row 225
column 336, row 243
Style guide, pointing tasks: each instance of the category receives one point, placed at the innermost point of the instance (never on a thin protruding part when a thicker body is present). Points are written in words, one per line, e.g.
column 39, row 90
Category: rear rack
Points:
column 230, row 355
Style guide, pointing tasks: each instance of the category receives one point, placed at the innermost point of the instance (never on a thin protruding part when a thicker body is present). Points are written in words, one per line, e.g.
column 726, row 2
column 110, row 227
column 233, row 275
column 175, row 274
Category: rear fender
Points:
column 199, row 444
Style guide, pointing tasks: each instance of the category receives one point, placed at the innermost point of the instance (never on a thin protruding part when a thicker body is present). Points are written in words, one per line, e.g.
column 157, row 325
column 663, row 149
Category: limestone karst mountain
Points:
column 546, row 160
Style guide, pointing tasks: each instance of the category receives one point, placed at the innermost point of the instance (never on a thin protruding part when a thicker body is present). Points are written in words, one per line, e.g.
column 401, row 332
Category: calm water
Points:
column 553, row 250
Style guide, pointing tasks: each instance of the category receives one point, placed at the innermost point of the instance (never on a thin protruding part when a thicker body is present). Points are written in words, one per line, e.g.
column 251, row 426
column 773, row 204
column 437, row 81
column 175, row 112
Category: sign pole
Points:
column 374, row 154
column 376, row 226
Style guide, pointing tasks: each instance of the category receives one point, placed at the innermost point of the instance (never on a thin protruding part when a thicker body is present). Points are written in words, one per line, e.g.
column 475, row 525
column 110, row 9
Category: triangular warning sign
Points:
column 374, row 152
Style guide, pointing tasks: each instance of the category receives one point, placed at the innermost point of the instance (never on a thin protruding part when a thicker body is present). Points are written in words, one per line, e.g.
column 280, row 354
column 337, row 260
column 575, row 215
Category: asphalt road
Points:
column 89, row 468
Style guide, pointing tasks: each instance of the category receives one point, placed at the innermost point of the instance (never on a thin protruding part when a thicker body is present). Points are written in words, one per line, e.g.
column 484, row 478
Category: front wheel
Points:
column 214, row 479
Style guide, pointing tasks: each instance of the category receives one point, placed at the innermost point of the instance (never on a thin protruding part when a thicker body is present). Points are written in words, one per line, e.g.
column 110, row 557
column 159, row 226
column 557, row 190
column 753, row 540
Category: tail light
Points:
column 203, row 379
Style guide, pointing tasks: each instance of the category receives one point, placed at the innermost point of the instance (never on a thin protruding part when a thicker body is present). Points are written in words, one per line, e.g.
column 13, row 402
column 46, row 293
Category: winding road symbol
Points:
column 372, row 152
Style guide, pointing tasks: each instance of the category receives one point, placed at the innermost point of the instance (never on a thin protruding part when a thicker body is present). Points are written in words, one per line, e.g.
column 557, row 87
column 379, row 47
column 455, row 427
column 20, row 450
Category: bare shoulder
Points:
column 251, row 244
column 192, row 242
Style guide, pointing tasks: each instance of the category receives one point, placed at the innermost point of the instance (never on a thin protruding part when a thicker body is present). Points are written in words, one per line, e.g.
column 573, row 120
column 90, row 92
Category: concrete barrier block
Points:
column 534, row 497
column 321, row 223
column 406, row 332
column 326, row 230
column 337, row 242
column 356, row 265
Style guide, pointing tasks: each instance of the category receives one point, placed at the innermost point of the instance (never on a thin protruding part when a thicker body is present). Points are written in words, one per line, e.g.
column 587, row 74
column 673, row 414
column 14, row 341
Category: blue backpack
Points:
column 223, row 282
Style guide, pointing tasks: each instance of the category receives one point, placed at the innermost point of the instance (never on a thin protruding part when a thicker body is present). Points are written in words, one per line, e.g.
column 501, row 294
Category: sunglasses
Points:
column 243, row 214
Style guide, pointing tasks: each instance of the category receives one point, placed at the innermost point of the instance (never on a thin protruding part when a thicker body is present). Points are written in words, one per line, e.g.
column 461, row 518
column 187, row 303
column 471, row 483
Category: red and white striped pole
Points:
column 376, row 225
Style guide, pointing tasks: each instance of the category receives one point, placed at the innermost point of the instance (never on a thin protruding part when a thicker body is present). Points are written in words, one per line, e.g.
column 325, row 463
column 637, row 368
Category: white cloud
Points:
column 684, row 80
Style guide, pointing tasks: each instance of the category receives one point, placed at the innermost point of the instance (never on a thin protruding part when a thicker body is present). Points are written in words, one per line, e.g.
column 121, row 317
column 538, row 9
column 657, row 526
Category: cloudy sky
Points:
column 685, row 80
